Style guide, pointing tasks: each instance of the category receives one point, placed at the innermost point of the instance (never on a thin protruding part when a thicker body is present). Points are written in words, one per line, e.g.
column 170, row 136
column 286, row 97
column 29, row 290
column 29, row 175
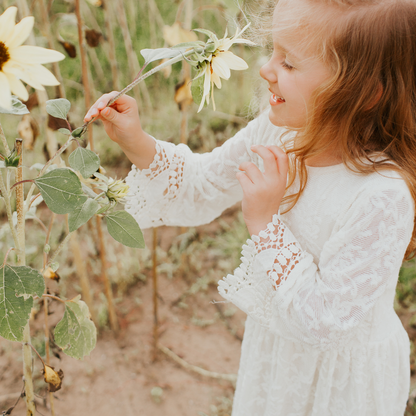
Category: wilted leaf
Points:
column 70, row 48
column 96, row 3
column 151, row 55
column 75, row 332
column 28, row 130
column 17, row 286
column 82, row 214
column 18, row 108
column 183, row 94
column 197, row 90
column 85, row 161
column 58, row 108
column 53, row 378
column 177, row 34
column 50, row 274
column 61, row 190
column 93, row 37
column 78, row 132
column 124, row 229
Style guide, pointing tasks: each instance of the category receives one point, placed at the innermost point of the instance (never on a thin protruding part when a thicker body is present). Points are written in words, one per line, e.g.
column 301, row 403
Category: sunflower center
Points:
column 4, row 55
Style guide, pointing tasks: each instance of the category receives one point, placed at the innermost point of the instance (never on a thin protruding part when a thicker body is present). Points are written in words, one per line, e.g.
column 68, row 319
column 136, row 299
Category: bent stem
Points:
column 142, row 78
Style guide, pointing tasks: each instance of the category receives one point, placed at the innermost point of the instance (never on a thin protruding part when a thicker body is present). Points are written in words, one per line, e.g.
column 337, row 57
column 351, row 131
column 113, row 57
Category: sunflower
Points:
column 22, row 62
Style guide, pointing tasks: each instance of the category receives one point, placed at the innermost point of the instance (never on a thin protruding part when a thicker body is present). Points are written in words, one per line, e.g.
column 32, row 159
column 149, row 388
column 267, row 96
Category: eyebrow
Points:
column 285, row 51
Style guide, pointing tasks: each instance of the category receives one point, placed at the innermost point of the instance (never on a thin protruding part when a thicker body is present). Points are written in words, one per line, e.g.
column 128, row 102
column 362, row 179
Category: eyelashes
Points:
column 287, row 66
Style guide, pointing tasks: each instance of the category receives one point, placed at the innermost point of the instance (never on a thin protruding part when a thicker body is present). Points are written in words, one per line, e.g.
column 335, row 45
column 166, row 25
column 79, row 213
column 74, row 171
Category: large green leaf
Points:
column 17, row 286
column 58, row 108
column 76, row 333
column 197, row 89
column 18, row 108
column 85, row 161
column 61, row 190
column 82, row 214
column 124, row 228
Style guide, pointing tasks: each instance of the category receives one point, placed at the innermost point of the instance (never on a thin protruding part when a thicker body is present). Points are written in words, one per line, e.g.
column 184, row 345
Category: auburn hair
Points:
column 368, row 106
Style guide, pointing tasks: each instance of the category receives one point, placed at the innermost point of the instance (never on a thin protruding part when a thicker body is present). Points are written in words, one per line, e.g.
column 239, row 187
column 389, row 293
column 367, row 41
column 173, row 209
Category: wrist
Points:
column 141, row 152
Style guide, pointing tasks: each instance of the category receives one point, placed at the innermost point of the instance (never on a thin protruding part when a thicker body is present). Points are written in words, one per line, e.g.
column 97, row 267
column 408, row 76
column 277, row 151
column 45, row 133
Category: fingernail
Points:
column 106, row 112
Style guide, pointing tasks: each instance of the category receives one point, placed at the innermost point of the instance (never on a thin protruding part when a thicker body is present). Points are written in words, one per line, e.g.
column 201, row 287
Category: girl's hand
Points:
column 121, row 120
column 263, row 192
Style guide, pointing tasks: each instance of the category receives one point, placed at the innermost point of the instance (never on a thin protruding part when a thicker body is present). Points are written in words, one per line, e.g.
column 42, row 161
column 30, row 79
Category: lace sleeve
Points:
column 280, row 286
column 189, row 189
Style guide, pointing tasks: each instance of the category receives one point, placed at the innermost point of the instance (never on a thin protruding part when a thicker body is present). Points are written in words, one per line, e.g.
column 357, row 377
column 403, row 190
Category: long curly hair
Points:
column 368, row 106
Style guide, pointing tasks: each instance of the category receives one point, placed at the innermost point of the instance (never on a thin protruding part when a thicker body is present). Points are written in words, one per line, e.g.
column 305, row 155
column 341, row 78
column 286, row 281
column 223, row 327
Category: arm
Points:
column 280, row 286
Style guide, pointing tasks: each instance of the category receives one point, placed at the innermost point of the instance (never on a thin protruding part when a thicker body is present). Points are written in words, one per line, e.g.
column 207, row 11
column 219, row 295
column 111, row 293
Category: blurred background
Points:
column 129, row 373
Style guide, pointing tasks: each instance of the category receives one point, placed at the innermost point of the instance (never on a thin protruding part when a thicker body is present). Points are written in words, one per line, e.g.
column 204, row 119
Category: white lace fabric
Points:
column 318, row 284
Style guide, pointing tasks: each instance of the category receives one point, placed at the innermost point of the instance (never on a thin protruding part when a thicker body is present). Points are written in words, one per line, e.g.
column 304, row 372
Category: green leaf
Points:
column 85, row 161
column 78, row 132
column 124, row 229
column 197, row 89
column 18, row 108
column 151, row 55
column 196, row 44
column 58, row 108
column 64, row 131
column 210, row 34
column 76, row 333
column 82, row 214
column 61, row 190
column 17, row 286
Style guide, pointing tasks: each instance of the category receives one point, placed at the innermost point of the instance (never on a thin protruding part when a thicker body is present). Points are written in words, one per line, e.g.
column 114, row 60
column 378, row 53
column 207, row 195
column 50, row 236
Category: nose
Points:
column 267, row 72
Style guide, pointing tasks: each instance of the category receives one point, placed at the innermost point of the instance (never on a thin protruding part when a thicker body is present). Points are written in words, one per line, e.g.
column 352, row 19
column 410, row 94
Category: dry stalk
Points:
column 108, row 16
column 51, row 45
column 84, row 67
column 201, row 371
column 155, row 291
column 82, row 273
column 132, row 60
column 107, row 285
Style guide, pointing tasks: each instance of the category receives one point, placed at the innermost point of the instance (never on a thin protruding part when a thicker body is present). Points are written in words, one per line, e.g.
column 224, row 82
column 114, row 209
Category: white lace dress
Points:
column 326, row 339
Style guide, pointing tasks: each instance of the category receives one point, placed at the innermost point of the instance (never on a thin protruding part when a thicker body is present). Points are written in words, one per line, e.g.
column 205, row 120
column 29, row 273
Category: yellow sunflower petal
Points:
column 216, row 79
column 17, row 87
column 220, row 67
column 23, row 72
column 5, row 93
column 20, row 32
column 7, row 21
column 232, row 61
column 207, row 86
column 35, row 55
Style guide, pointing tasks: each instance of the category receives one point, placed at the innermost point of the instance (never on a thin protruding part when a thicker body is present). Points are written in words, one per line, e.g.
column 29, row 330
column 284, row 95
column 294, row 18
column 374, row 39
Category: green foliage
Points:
column 124, row 229
column 76, row 333
column 197, row 89
column 61, row 190
column 151, row 55
column 58, row 108
column 17, row 286
column 85, row 161
column 18, row 108
column 82, row 214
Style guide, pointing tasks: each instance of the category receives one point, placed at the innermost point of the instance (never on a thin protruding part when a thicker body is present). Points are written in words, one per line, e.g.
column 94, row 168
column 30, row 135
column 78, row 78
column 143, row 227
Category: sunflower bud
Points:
column 117, row 190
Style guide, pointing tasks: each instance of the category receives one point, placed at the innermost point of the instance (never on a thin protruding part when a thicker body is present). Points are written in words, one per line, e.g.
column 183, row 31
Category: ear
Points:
column 377, row 96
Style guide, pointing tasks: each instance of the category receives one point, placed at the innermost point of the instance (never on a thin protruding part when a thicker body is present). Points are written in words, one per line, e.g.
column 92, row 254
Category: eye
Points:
column 287, row 66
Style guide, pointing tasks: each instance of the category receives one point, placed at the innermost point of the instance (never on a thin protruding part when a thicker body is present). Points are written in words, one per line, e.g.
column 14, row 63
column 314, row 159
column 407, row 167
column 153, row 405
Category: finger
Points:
column 110, row 114
column 281, row 158
column 269, row 159
column 252, row 171
column 100, row 104
column 244, row 180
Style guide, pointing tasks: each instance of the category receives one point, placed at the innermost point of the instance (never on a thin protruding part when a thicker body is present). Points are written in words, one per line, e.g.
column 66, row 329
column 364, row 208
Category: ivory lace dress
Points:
column 326, row 340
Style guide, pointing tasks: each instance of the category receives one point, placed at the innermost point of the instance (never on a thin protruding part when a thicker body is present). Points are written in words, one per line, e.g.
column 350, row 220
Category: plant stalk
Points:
column 4, row 141
column 107, row 285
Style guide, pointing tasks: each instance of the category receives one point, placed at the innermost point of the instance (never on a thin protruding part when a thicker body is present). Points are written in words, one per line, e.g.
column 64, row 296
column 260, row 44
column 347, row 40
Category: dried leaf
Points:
column 50, row 274
column 70, row 48
column 177, row 34
column 183, row 94
column 53, row 378
column 28, row 130
column 93, row 37
column 96, row 3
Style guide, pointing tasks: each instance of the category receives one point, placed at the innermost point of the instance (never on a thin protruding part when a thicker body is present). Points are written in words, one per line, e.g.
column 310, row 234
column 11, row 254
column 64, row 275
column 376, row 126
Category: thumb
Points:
column 110, row 114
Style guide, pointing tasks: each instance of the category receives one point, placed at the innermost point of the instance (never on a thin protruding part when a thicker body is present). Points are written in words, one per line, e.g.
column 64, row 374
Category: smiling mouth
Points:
column 277, row 99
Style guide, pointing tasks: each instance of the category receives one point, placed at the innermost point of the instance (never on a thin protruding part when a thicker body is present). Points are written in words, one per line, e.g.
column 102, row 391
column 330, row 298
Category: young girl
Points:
column 327, row 183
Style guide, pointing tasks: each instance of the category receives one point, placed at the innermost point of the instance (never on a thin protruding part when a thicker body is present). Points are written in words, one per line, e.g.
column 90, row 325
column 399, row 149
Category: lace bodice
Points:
column 318, row 280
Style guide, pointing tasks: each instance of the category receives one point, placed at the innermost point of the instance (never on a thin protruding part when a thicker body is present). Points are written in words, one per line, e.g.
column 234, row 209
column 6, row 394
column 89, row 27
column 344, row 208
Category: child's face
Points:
column 293, row 74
